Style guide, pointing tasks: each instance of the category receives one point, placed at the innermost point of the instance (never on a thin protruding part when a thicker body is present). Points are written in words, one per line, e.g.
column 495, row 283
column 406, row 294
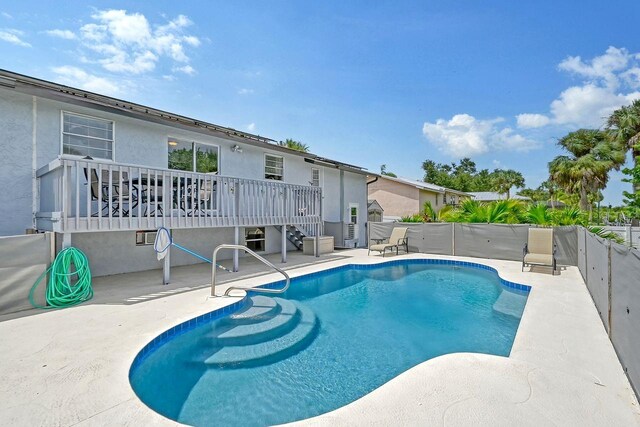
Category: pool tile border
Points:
column 209, row 317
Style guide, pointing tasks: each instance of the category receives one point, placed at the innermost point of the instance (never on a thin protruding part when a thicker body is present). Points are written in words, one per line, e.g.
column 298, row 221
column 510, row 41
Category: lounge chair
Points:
column 398, row 238
column 539, row 249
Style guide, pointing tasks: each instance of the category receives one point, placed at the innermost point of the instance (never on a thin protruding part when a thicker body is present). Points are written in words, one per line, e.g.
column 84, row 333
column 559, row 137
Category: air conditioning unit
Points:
column 351, row 231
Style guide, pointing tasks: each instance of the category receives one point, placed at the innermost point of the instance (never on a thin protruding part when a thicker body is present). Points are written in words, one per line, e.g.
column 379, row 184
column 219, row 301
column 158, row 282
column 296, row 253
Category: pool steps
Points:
column 263, row 328
column 258, row 307
column 261, row 334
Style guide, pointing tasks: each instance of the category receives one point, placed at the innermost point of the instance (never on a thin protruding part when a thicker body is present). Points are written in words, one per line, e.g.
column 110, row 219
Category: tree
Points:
column 632, row 200
column 586, row 170
column 624, row 125
column 383, row 171
column 294, row 145
column 462, row 176
column 503, row 180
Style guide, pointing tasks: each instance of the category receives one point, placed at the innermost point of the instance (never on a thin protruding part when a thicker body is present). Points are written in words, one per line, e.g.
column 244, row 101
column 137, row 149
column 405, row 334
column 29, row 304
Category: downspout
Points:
column 34, row 162
column 342, row 224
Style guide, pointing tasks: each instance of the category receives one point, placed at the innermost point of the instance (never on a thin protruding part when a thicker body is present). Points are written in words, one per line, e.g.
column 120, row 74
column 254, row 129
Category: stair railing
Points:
column 256, row 256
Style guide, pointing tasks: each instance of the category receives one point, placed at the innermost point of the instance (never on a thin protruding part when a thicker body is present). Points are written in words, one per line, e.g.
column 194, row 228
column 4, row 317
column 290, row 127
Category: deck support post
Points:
column 166, row 266
column 284, row 243
column 66, row 240
column 316, row 242
column 236, row 241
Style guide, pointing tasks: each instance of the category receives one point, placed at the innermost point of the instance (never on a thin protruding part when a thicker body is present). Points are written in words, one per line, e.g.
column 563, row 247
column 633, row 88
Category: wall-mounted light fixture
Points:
column 236, row 149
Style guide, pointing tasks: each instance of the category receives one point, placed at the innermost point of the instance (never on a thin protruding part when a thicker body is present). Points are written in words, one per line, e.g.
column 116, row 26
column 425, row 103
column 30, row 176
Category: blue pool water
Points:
column 331, row 339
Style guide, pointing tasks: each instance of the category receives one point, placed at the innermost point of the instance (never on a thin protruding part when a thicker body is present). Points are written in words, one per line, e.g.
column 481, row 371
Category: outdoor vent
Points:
column 351, row 231
column 7, row 81
column 145, row 237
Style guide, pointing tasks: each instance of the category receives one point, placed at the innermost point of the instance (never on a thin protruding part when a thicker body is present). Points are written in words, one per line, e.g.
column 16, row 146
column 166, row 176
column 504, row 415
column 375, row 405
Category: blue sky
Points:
column 363, row 82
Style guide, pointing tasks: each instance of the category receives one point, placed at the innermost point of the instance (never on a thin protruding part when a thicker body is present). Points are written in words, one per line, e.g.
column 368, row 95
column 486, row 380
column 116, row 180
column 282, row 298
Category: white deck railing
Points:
column 78, row 195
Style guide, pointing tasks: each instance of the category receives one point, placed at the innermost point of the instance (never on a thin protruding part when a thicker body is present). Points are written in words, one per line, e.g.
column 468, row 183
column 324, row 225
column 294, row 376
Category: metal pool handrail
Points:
column 256, row 256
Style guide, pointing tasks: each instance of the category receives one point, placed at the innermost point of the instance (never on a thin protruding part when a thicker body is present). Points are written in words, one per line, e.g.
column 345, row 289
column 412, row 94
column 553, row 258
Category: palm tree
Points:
column 294, row 145
column 624, row 124
column 503, row 180
column 586, row 170
column 383, row 171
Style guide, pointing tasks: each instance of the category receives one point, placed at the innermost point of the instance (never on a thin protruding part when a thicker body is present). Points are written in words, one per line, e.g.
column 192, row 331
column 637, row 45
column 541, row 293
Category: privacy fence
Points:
column 496, row 241
column 610, row 270
column 612, row 274
column 22, row 260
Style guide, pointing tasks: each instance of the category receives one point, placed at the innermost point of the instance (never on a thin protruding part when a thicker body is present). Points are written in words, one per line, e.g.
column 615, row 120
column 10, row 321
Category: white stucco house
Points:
column 104, row 174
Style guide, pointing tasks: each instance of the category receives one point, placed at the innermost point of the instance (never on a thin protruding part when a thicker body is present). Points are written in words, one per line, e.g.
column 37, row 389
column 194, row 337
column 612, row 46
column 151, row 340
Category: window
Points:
column 192, row 156
column 273, row 167
column 315, row 177
column 87, row 136
column 444, row 199
column 145, row 237
column 255, row 239
column 437, row 199
column 353, row 214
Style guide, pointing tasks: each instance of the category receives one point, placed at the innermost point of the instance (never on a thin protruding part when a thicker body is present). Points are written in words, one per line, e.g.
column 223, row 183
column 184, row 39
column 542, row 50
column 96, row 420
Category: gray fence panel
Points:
column 382, row 230
column 566, row 240
column 496, row 241
column 625, row 309
column 598, row 274
column 335, row 229
column 437, row 238
column 22, row 260
column 582, row 252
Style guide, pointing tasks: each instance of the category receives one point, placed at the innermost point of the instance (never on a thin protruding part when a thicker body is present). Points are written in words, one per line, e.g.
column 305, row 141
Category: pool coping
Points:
column 562, row 368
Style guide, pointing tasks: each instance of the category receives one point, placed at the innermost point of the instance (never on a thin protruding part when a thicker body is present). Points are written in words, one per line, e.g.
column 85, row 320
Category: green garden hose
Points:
column 61, row 292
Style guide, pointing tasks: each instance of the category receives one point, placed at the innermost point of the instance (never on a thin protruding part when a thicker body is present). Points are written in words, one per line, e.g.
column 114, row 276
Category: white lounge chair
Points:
column 398, row 238
column 539, row 249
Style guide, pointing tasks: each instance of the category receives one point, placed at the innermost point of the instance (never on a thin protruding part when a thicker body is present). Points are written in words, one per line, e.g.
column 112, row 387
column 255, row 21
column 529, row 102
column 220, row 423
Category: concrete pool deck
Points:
column 70, row 367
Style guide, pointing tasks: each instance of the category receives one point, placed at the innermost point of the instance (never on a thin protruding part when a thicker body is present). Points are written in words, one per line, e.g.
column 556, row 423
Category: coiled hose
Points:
column 61, row 292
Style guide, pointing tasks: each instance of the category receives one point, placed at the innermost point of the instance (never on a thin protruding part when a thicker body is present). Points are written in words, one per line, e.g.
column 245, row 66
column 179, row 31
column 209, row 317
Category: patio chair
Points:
column 539, row 249
column 398, row 238
column 101, row 193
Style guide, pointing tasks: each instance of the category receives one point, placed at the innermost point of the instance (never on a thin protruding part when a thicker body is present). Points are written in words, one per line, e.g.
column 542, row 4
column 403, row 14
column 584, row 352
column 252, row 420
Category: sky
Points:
column 366, row 83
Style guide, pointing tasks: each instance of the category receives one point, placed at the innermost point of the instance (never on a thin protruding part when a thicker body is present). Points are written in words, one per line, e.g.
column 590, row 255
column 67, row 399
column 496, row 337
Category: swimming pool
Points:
column 333, row 337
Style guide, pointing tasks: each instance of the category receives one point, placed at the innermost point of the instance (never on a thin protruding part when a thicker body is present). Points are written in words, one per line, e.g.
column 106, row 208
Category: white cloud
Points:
column 464, row 135
column 251, row 127
column 128, row 43
column 63, row 34
column 187, row 69
column 77, row 77
column 601, row 68
column 14, row 37
column 245, row 91
column 608, row 81
column 532, row 120
column 6, row 15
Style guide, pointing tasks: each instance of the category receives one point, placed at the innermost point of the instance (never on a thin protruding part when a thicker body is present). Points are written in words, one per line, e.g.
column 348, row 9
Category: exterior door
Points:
column 354, row 210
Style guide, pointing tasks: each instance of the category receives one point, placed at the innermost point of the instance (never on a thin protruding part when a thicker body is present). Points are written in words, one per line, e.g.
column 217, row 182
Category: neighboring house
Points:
column 400, row 197
column 104, row 174
column 490, row 196
column 375, row 211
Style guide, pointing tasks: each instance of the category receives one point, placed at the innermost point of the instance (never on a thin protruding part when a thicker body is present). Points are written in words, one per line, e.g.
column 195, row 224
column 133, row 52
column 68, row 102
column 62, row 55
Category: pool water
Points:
column 329, row 340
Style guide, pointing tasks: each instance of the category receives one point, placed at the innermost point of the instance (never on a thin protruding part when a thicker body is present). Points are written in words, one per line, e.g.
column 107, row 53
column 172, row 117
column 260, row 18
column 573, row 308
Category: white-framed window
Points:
column 87, row 136
column 315, row 177
column 192, row 156
column 255, row 238
column 273, row 167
